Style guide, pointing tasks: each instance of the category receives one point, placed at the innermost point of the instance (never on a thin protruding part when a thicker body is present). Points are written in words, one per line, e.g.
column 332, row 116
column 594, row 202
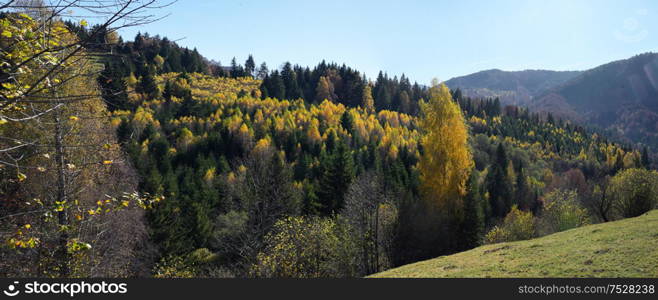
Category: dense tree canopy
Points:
column 289, row 172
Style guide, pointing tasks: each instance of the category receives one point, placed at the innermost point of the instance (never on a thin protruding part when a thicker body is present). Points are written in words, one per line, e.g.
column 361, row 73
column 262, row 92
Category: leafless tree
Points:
column 598, row 202
column 261, row 192
column 371, row 212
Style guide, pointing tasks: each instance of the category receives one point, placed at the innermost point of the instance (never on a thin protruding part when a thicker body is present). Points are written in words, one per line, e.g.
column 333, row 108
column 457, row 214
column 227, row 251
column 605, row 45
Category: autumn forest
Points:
column 142, row 158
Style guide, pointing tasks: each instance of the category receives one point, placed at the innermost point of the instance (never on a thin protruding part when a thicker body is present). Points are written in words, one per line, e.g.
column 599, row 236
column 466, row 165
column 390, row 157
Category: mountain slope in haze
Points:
column 625, row 248
column 517, row 87
column 621, row 97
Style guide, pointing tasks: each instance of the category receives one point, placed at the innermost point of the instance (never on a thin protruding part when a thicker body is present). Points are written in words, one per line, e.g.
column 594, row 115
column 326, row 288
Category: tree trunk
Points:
column 62, row 218
column 377, row 238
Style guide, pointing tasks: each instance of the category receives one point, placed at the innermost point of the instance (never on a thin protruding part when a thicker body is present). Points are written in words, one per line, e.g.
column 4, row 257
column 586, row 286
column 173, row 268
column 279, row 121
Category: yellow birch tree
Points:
column 446, row 160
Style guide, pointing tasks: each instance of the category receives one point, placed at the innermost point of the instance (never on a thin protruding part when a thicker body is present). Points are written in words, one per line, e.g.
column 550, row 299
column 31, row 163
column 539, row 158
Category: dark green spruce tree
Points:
column 524, row 196
column 250, row 66
column 498, row 185
column 646, row 161
column 113, row 87
column 472, row 226
column 277, row 88
column 147, row 84
column 337, row 174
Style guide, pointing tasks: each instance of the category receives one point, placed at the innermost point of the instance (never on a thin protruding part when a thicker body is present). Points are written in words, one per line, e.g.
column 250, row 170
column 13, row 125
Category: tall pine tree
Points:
column 498, row 185
column 250, row 66
column 472, row 226
column 337, row 174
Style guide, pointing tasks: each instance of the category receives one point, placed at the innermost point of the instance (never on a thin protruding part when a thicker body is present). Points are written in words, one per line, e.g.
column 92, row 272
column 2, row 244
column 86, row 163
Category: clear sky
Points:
column 423, row 39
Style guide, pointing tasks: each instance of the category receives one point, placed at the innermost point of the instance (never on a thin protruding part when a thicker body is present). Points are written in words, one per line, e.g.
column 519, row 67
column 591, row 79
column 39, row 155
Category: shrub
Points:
column 197, row 263
column 633, row 192
column 174, row 267
column 307, row 247
column 562, row 211
column 497, row 235
column 518, row 225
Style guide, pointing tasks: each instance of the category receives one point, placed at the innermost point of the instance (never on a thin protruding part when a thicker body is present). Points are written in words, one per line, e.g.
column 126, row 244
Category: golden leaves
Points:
column 262, row 146
column 446, row 161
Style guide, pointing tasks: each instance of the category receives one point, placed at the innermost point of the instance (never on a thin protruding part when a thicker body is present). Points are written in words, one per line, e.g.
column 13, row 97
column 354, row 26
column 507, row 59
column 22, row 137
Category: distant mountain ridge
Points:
column 620, row 97
column 512, row 87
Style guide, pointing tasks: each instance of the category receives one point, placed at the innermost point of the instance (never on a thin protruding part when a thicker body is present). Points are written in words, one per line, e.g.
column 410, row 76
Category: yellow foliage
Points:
column 262, row 146
column 446, row 162
column 368, row 102
column 209, row 175
column 518, row 225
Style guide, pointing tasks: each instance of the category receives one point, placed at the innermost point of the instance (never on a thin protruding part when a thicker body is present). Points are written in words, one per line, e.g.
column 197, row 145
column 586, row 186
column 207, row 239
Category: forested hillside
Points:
column 143, row 158
column 340, row 84
column 213, row 147
column 619, row 97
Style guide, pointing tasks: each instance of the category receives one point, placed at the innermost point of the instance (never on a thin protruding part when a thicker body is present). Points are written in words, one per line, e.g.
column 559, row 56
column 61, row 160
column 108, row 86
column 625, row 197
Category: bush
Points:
column 633, row 192
column 562, row 211
column 197, row 263
column 174, row 267
column 518, row 225
column 497, row 235
column 303, row 247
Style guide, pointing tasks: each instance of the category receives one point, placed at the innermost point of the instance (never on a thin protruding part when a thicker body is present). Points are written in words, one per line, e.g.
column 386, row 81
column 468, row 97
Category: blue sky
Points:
column 423, row 39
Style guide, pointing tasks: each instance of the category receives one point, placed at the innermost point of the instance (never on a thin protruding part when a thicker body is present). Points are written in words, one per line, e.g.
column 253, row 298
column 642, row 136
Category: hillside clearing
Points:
column 625, row 248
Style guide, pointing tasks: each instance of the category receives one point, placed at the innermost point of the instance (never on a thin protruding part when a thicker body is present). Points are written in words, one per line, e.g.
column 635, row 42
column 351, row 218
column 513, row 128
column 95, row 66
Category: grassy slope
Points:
column 626, row 248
